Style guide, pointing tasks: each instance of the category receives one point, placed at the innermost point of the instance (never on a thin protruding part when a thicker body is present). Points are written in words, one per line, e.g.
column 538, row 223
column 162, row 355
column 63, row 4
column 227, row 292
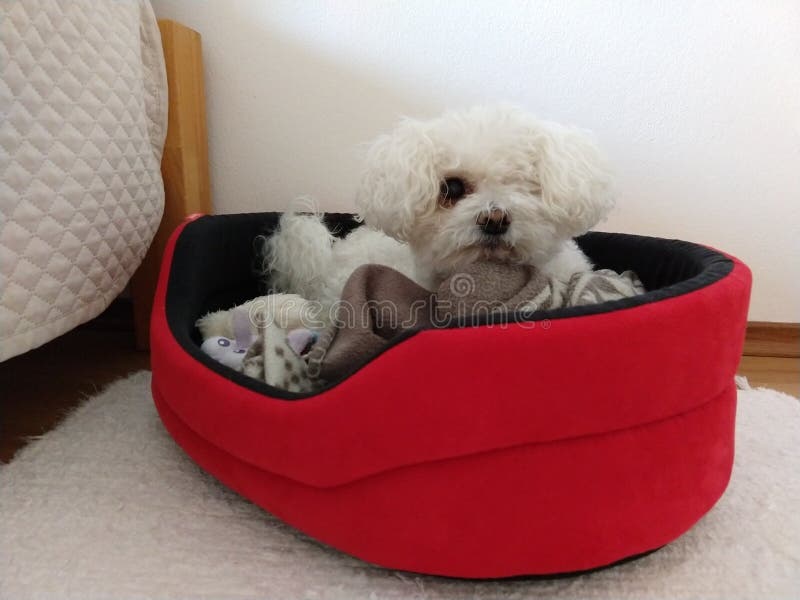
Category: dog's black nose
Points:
column 493, row 222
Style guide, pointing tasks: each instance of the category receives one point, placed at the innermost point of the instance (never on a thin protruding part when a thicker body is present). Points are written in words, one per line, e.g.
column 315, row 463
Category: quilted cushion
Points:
column 83, row 99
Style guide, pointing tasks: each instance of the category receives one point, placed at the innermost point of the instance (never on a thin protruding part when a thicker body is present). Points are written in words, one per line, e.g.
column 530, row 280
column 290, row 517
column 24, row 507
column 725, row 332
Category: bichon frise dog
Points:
column 487, row 183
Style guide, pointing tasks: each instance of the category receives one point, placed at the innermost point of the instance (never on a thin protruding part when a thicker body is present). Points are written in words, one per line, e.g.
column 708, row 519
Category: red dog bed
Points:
column 567, row 441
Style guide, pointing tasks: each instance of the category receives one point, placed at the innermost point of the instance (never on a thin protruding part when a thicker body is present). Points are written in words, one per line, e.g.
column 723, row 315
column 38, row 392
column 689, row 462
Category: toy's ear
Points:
column 242, row 328
column 400, row 182
column 301, row 340
column 576, row 181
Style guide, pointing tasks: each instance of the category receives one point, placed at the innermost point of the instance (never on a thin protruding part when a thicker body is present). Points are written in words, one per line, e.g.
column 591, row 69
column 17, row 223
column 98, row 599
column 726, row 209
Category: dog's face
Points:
column 486, row 183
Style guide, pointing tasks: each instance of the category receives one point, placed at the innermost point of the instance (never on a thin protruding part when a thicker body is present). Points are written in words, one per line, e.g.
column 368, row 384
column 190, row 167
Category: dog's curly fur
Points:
column 548, row 181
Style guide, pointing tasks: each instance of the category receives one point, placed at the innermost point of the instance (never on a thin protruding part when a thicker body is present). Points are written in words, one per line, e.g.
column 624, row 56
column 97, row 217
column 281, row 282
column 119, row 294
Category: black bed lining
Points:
column 214, row 267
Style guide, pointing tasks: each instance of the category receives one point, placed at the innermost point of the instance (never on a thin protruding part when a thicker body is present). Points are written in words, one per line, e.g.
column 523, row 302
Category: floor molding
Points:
column 772, row 339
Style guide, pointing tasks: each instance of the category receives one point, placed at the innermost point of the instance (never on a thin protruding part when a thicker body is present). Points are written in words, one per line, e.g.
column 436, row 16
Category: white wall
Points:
column 697, row 103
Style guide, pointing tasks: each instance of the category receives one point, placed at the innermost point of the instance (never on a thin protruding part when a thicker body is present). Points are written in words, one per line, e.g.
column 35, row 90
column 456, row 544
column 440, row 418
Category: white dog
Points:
column 486, row 183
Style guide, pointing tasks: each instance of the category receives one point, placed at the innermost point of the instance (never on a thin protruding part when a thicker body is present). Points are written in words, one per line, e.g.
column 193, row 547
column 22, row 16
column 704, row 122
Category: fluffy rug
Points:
column 107, row 506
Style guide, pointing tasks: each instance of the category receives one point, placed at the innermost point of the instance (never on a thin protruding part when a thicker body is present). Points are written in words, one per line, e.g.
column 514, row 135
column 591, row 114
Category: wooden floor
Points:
column 41, row 386
column 768, row 371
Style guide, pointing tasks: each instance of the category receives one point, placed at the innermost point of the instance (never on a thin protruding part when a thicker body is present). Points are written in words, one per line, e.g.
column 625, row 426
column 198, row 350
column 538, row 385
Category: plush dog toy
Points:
column 266, row 338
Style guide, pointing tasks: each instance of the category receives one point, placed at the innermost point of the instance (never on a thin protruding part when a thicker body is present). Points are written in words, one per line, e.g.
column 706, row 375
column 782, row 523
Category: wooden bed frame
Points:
column 184, row 165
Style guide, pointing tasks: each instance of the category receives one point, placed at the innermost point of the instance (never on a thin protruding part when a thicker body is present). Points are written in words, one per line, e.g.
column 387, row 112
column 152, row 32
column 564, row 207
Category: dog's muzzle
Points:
column 493, row 222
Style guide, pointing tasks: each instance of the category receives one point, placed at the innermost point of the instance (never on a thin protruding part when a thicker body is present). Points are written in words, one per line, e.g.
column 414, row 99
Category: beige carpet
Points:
column 107, row 506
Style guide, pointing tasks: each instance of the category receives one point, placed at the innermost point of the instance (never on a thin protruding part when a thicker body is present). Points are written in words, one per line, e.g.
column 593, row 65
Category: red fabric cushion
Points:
column 529, row 450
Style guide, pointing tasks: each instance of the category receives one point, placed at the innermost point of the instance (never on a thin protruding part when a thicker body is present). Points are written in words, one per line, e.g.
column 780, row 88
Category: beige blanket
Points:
column 378, row 303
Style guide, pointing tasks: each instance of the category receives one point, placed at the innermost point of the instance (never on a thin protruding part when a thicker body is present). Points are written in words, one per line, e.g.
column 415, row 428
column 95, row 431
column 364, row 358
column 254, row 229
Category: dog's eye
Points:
column 452, row 190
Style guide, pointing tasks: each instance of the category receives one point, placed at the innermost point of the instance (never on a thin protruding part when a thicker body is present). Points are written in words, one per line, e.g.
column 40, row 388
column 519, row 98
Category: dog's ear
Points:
column 577, row 186
column 400, row 182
